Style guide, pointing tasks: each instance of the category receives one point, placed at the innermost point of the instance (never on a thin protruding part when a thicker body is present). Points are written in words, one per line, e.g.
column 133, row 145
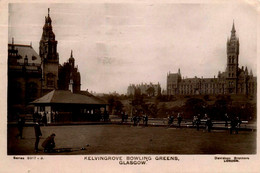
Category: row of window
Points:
column 191, row 91
column 195, row 86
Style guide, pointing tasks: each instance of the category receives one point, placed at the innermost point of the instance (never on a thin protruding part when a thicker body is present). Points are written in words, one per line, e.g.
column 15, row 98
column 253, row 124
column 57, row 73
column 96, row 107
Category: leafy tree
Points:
column 150, row 91
column 118, row 106
column 194, row 106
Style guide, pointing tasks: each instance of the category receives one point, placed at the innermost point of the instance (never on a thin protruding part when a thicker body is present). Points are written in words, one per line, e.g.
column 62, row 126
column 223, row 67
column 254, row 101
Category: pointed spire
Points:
column 71, row 54
column 179, row 71
column 48, row 12
column 251, row 72
column 233, row 27
column 246, row 71
column 12, row 40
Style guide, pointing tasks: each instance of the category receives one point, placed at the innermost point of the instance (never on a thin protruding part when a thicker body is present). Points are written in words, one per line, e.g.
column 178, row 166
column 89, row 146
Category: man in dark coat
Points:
column 122, row 116
column 209, row 124
column 179, row 118
column 235, row 123
column 20, row 125
column 49, row 143
column 198, row 123
column 226, row 120
column 145, row 118
column 38, row 133
column 135, row 120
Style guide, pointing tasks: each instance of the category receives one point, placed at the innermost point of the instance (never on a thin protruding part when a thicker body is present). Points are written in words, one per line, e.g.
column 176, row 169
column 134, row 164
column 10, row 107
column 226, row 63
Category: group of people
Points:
column 171, row 120
column 136, row 119
column 45, row 117
column 234, row 122
column 197, row 122
column 48, row 144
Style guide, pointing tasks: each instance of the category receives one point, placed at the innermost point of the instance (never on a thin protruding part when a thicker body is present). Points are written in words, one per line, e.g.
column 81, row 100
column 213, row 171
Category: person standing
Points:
column 38, row 133
column 20, row 125
column 48, row 117
column 194, row 120
column 235, row 124
column 198, row 123
column 135, row 120
column 209, row 124
column 239, row 122
column 226, row 120
column 122, row 117
column 145, row 120
column 179, row 118
column 170, row 120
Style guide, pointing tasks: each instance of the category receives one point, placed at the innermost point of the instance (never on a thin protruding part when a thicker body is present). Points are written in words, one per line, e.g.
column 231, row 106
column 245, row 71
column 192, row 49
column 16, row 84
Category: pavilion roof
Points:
column 67, row 97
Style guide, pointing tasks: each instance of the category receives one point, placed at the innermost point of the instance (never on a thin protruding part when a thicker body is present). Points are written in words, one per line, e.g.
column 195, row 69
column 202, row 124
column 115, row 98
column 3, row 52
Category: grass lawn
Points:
column 126, row 139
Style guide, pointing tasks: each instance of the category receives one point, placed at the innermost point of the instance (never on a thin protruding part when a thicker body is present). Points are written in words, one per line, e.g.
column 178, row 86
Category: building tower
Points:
column 232, row 62
column 49, row 57
column 72, row 60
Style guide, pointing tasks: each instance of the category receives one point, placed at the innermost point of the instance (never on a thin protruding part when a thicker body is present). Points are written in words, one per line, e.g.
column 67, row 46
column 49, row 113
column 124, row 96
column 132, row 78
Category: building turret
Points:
column 251, row 73
column 232, row 62
column 49, row 55
column 246, row 71
column 71, row 59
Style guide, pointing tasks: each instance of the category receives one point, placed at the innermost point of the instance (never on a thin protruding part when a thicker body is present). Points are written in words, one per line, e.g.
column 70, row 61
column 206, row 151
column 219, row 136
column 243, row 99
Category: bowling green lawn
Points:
column 127, row 139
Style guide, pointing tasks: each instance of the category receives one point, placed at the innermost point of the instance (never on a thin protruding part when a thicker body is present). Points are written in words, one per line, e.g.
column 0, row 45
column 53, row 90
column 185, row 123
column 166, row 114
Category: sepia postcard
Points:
column 138, row 86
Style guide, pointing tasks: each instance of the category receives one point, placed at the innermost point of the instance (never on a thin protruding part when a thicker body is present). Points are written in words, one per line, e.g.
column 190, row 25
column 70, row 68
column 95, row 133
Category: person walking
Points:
column 38, row 133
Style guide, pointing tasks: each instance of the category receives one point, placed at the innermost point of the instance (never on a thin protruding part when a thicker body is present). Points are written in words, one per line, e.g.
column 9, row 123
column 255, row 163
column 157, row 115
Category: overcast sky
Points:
column 115, row 45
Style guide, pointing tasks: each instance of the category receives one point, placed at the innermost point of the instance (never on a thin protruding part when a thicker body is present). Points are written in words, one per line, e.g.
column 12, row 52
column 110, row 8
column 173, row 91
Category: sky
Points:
column 117, row 44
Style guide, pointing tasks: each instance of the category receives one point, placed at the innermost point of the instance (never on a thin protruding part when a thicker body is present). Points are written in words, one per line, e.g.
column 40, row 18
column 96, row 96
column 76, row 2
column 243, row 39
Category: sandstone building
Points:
column 147, row 89
column 32, row 75
column 234, row 80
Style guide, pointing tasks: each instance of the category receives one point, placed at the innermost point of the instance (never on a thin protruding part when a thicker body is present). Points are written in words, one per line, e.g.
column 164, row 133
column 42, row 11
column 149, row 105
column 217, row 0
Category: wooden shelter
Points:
column 64, row 106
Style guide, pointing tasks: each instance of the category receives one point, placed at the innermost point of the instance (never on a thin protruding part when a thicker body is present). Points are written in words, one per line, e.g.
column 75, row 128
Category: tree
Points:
column 150, row 91
column 194, row 106
column 118, row 106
